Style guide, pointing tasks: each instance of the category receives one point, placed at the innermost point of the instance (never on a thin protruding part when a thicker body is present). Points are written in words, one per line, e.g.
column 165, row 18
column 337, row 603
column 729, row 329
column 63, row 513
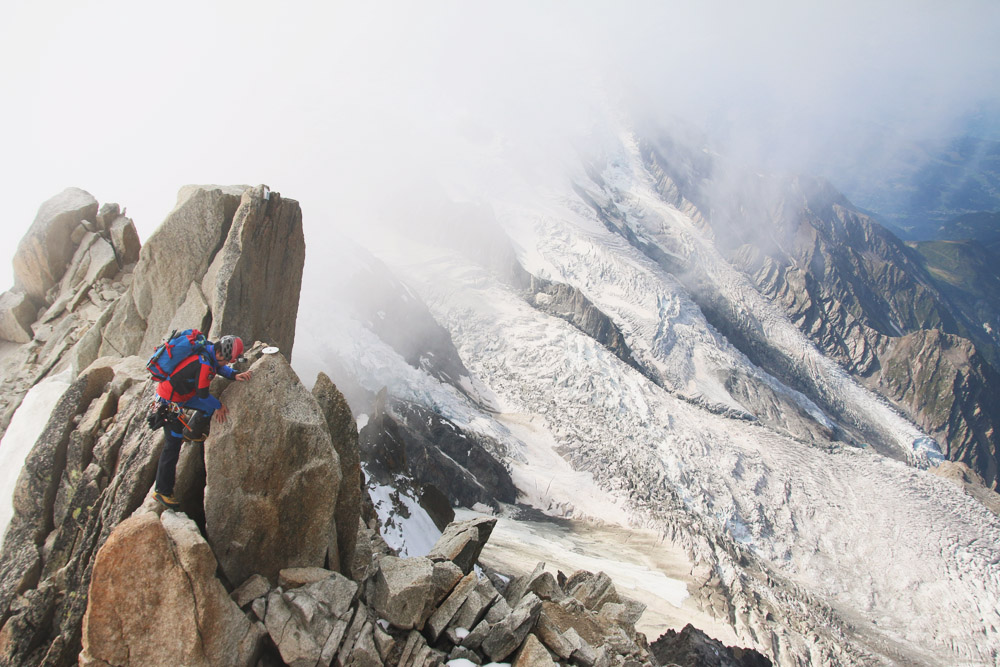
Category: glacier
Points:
column 821, row 551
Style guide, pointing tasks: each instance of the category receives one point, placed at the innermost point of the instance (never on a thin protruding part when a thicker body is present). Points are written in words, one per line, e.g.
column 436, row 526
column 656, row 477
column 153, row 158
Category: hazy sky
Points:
column 333, row 103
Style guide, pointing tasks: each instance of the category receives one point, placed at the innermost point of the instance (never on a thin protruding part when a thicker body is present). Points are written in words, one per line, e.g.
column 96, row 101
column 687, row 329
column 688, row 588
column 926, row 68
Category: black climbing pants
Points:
column 166, row 470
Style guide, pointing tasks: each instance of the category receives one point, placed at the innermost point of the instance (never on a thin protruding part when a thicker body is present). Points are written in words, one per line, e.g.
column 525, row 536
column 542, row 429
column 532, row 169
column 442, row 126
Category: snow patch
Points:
column 406, row 527
column 25, row 427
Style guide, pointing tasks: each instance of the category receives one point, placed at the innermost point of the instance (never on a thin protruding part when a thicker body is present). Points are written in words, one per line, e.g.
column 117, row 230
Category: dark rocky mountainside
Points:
column 403, row 439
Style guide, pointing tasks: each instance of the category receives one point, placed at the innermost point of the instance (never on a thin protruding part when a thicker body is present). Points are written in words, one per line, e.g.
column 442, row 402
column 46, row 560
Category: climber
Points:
column 187, row 389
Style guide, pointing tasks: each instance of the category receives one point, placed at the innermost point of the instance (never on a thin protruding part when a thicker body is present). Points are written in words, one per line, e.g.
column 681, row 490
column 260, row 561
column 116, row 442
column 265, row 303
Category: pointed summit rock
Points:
column 253, row 284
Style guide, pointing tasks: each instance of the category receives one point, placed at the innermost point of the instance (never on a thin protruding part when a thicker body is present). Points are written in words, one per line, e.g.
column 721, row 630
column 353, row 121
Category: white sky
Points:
column 334, row 103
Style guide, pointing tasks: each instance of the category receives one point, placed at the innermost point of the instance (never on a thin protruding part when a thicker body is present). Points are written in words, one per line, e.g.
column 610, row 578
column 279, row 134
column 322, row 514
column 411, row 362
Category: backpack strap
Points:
column 186, row 362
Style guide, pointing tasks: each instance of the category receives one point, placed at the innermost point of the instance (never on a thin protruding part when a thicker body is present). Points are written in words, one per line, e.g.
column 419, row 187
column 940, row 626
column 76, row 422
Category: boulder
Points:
column 253, row 284
column 552, row 637
column 94, row 259
column 541, row 583
column 125, row 240
column 462, row 542
column 475, row 607
column 364, row 652
column 360, row 624
column 107, row 214
column 444, row 614
column 593, row 590
column 252, row 589
column 344, row 433
column 47, row 247
column 504, row 637
column 571, row 620
column 533, row 654
column 293, row 577
column 271, row 477
column 583, row 653
column 154, row 600
column 309, row 623
column 416, row 652
column 17, row 313
column 408, row 590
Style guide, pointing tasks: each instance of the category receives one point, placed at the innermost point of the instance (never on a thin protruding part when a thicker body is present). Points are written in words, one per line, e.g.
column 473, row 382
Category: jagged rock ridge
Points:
column 95, row 461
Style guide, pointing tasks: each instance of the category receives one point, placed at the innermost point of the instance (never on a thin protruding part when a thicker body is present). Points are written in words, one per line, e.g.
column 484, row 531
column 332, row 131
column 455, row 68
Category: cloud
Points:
column 332, row 103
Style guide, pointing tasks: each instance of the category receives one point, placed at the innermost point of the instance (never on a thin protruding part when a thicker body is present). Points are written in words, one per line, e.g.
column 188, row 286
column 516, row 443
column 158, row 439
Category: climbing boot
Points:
column 167, row 501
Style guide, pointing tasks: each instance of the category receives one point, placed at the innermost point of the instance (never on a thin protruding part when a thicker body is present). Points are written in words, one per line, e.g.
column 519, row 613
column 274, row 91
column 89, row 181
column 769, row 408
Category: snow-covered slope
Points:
column 824, row 552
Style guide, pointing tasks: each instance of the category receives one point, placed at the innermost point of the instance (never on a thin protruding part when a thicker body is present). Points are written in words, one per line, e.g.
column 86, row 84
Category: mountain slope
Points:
column 847, row 283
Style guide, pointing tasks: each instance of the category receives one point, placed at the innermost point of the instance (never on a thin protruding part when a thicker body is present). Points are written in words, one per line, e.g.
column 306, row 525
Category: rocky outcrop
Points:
column 47, row 247
column 569, row 303
column 693, row 648
column 16, row 316
column 432, row 613
column 405, row 438
column 226, row 260
column 94, row 464
column 252, row 286
column 78, row 261
column 343, row 431
column 461, row 543
column 272, row 477
column 154, row 600
column 175, row 257
column 91, row 468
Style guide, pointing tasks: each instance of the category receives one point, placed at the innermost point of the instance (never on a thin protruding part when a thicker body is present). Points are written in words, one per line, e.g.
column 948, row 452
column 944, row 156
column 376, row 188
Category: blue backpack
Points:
column 177, row 348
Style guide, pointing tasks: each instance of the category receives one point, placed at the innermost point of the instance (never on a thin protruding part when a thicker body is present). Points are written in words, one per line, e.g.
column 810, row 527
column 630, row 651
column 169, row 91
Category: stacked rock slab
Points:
column 47, row 247
column 76, row 486
column 253, row 284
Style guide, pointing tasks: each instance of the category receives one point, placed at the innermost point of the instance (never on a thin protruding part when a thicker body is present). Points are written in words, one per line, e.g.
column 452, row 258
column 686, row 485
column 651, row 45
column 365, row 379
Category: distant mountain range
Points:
column 925, row 191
